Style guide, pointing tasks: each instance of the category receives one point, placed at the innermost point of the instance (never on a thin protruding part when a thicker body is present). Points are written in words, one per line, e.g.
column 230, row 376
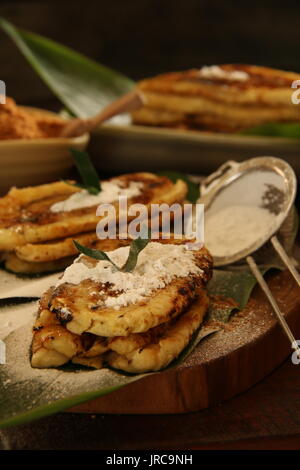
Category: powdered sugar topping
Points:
column 214, row 71
column 158, row 264
column 110, row 192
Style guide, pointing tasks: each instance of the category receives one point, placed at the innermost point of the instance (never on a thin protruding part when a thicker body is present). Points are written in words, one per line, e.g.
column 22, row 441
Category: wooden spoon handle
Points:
column 129, row 102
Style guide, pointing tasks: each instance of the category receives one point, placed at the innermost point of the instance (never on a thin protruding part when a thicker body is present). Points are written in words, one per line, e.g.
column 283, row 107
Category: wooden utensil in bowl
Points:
column 129, row 102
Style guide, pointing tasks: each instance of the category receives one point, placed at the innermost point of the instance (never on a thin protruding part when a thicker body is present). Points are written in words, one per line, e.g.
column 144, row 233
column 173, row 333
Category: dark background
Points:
column 145, row 37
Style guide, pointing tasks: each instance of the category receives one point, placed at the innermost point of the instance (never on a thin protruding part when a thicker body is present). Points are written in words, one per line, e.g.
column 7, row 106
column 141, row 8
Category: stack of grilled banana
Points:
column 35, row 239
column 80, row 319
column 218, row 98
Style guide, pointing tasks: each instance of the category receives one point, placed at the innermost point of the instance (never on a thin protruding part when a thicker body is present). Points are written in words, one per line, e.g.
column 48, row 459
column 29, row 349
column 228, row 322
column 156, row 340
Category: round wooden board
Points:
column 228, row 362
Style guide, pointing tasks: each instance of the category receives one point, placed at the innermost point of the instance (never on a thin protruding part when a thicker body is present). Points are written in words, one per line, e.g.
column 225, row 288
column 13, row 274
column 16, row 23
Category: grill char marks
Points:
column 82, row 307
column 29, row 209
column 142, row 336
column 38, row 210
column 34, row 239
column 261, row 77
column 257, row 77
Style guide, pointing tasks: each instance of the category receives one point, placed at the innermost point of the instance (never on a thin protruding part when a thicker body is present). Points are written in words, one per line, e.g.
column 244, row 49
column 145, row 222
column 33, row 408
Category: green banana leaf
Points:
column 275, row 129
column 84, row 86
column 230, row 290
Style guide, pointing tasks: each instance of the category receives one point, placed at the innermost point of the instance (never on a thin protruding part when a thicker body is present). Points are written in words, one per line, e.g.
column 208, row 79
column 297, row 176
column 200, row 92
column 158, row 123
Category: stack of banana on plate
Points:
column 38, row 224
column 218, row 98
column 132, row 304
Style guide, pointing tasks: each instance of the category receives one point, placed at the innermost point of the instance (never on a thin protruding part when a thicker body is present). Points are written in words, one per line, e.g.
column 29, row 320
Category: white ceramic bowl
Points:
column 26, row 162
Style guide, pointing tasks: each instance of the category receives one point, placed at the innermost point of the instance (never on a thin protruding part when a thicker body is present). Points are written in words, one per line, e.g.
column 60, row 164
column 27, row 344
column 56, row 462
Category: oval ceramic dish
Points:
column 126, row 148
column 25, row 162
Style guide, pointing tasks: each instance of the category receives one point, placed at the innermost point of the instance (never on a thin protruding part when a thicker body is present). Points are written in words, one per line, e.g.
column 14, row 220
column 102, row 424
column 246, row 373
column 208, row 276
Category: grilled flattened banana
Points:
column 226, row 98
column 26, row 216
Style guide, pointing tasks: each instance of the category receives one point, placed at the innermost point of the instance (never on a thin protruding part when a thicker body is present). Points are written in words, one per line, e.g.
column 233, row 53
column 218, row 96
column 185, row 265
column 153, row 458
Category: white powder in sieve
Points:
column 234, row 228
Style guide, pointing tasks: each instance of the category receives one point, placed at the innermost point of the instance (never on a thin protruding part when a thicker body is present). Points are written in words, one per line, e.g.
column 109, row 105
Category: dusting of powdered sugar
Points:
column 24, row 388
column 216, row 72
column 158, row 264
column 14, row 316
column 110, row 192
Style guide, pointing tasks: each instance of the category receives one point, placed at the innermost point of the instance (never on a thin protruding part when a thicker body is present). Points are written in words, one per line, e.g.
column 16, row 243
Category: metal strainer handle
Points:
column 285, row 258
column 264, row 286
column 208, row 182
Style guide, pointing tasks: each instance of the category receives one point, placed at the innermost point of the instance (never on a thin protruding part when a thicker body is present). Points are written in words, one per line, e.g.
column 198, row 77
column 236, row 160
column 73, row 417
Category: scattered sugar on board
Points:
column 244, row 327
column 234, row 228
column 12, row 286
column 28, row 388
column 14, row 316
column 10, row 281
column 22, row 382
column 158, row 264
column 48, row 385
column 110, row 192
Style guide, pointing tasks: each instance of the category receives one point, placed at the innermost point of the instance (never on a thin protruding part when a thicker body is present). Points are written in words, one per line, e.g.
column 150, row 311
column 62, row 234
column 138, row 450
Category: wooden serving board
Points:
column 228, row 362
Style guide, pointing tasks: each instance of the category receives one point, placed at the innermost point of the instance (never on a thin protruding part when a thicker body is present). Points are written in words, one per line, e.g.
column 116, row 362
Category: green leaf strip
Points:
column 84, row 86
column 87, row 171
column 96, row 254
column 136, row 247
column 289, row 130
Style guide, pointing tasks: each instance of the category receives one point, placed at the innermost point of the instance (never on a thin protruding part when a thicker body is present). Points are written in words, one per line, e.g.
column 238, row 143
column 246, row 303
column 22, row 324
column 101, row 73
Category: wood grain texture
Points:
column 222, row 366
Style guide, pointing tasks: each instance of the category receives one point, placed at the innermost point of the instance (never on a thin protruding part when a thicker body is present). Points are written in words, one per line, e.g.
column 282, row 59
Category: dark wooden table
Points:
column 265, row 417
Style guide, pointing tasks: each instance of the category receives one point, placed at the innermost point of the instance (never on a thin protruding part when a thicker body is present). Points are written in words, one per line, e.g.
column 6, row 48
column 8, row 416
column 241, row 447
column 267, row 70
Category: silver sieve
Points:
column 264, row 182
